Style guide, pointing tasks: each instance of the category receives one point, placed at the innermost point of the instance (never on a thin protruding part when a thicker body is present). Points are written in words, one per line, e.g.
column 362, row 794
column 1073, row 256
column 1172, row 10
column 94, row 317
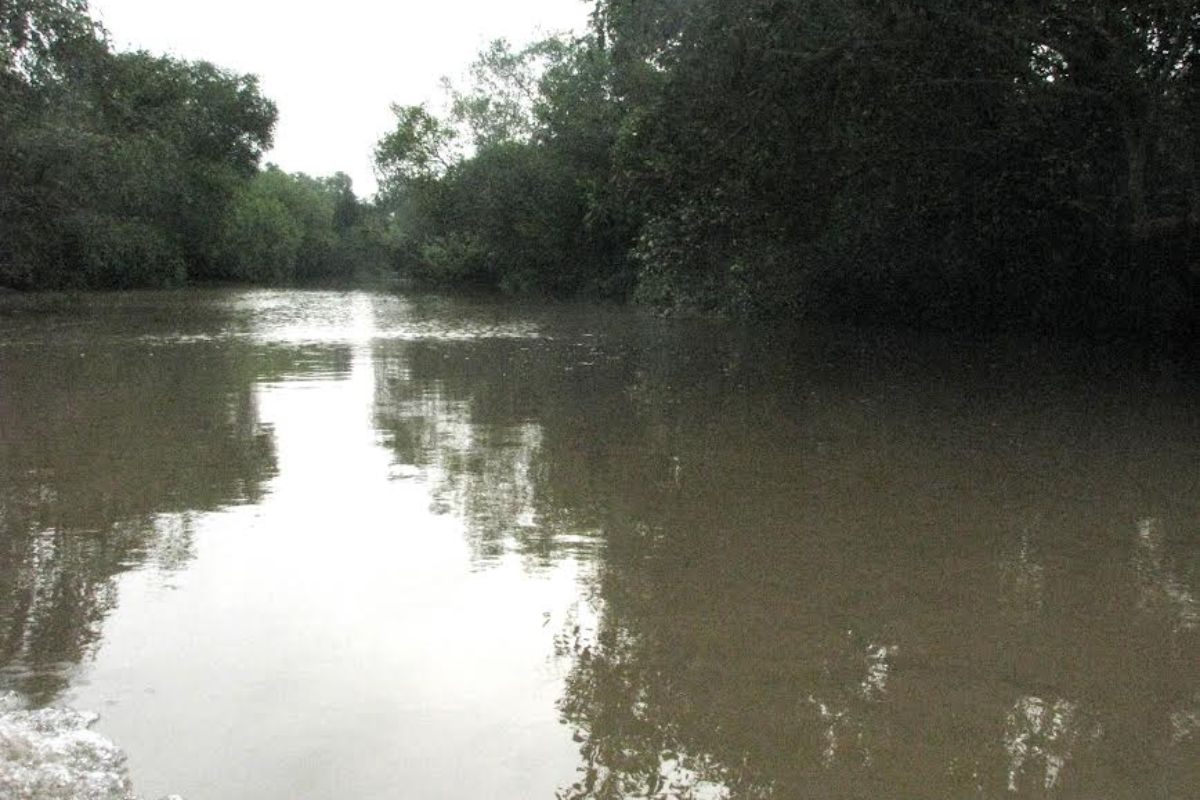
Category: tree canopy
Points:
column 122, row 169
column 924, row 160
column 993, row 163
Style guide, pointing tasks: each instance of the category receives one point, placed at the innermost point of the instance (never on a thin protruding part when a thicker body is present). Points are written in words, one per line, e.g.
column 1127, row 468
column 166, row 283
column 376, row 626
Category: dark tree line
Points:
column 122, row 169
column 988, row 164
column 927, row 160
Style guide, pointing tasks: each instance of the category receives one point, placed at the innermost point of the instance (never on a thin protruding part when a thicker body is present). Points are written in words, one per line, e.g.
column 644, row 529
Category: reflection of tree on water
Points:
column 1022, row 574
column 695, row 687
column 845, row 708
column 105, row 452
column 1158, row 586
column 750, row 507
column 630, row 740
column 1185, row 722
column 450, row 411
column 1040, row 736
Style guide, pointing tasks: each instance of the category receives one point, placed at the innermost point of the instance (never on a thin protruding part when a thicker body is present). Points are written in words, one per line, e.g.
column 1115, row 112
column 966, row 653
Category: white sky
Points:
column 332, row 68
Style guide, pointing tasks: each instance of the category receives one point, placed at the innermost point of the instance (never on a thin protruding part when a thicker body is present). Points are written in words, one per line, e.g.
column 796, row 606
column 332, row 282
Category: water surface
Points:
column 331, row 545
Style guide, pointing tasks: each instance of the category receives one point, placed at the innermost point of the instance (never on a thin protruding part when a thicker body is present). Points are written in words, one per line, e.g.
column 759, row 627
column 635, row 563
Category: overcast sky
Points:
column 333, row 68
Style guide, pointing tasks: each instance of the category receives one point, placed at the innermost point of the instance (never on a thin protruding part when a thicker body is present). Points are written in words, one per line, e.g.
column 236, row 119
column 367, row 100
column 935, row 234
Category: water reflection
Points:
column 807, row 575
column 1185, row 723
column 1040, row 736
column 459, row 414
column 844, row 707
column 1022, row 573
column 747, row 565
column 1159, row 588
column 106, row 452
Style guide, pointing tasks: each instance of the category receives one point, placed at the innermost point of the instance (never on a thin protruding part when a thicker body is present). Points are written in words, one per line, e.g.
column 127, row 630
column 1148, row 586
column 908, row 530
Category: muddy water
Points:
column 333, row 545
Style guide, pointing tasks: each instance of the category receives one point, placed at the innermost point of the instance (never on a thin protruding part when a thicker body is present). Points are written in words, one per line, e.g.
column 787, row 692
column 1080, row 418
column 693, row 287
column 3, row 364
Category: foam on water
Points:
column 52, row 754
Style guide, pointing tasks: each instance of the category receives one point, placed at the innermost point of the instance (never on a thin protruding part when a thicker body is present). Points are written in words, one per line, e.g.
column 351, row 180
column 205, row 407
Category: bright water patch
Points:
column 52, row 754
column 346, row 545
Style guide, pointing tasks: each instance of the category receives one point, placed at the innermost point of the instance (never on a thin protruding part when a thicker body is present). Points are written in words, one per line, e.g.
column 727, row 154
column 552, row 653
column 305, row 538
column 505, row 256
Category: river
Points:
column 325, row 545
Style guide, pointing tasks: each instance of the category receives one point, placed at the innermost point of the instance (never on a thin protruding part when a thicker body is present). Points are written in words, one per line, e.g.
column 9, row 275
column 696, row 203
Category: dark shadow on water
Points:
column 835, row 564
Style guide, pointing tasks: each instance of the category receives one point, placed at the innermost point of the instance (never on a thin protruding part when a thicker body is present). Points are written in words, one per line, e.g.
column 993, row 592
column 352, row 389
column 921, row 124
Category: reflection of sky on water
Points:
column 338, row 620
column 388, row 541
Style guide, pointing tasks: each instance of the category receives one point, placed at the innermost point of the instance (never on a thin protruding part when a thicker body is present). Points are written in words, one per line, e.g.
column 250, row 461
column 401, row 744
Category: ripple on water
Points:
column 52, row 754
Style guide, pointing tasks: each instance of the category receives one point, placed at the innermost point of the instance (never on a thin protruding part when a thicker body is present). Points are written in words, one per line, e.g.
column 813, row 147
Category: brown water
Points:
column 327, row 545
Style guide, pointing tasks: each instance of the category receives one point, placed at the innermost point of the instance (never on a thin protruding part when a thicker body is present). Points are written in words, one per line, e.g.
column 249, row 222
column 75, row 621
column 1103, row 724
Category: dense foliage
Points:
column 127, row 169
column 286, row 228
column 992, row 163
column 928, row 160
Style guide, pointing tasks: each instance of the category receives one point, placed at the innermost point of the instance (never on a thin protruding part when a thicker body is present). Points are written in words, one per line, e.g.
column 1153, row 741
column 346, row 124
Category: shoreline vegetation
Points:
column 1004, row 166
